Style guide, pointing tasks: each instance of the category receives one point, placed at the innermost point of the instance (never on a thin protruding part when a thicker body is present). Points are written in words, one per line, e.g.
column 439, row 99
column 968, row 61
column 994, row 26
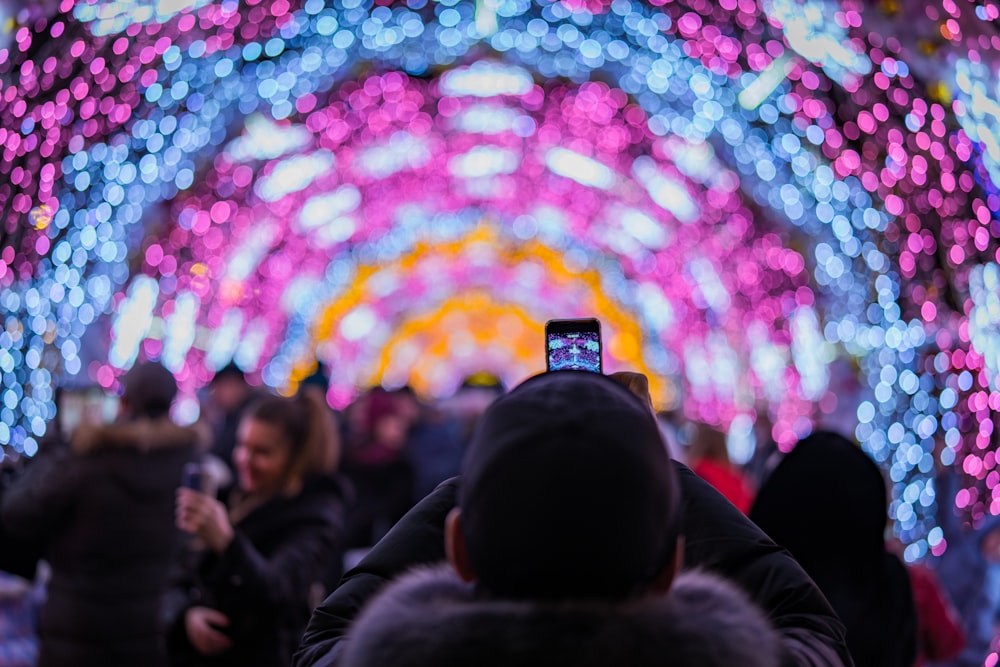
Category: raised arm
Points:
column 417, row 538
column 718, row 537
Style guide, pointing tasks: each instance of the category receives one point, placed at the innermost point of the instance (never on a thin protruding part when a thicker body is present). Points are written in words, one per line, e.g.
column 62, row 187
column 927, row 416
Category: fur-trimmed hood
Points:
column 142, row 434
column 429, row 618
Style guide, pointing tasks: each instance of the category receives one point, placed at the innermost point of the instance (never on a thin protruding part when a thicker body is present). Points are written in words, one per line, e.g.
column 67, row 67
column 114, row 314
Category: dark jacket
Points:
column 264, row 580
column 826, row 502
column 718, row 538
column 429, row 618
column 105, row 507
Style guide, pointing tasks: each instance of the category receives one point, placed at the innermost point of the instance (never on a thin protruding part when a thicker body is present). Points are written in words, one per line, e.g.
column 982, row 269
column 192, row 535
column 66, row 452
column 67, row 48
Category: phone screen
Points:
column 573, row 345
column 89, row 405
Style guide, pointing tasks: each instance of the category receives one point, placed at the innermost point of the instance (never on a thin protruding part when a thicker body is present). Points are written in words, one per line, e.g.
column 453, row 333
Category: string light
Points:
column 759, row 189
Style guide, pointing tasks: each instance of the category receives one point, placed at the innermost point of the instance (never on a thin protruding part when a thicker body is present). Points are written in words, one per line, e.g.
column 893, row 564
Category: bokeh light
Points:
column 750, row 196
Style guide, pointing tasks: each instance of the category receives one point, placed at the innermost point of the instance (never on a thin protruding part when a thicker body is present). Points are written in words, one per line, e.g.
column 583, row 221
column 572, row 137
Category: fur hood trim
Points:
column 143, row 434
column 428, row 618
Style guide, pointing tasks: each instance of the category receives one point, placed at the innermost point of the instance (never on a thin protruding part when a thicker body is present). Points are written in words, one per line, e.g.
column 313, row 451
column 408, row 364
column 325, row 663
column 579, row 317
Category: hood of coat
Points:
column 430, row 618
column 145, row 435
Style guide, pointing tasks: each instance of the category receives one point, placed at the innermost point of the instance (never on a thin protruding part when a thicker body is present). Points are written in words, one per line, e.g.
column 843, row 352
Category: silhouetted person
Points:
column 433, row 442
column 230, row 396
column 105, row 507
column 578, row 567
column 377, row 464
column 718, row 538
column 940, row 636
column 826, row 503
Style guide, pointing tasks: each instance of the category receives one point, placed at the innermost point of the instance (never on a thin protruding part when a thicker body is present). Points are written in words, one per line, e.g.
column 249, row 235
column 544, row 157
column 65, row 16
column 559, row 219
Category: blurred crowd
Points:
column 146, row 542
column 285, row 492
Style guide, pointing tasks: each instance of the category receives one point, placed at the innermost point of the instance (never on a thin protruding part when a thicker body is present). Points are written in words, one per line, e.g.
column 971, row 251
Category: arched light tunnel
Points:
column 764, row 205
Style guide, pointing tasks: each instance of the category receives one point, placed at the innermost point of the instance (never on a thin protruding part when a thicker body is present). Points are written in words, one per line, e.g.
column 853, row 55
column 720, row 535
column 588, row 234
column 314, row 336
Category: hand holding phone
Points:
column 194, row 477
column 573, row 345
column 204, row 517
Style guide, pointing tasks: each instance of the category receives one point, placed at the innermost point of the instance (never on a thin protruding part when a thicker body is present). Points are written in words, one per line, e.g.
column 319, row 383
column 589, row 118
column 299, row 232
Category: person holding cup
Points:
column 245, row 597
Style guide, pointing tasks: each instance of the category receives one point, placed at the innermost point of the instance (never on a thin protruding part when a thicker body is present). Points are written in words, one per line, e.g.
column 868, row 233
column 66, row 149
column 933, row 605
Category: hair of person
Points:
column 826, row 502
column 149, row 390
column 708, row 443
column 230, row 372
column 308, row 425
column 380, row 404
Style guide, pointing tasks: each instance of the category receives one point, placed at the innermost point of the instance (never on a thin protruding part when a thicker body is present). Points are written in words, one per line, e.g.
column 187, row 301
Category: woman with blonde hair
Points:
column 247, row 594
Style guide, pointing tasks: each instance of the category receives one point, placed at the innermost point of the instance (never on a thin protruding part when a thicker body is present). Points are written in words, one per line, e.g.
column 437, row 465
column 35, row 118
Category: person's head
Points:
column 318, row 382
column 281, row 441
column 229, row 388
column 385, row 422
column 826, row 502
column 567, row 493
column 148, row 390
column 408, row 404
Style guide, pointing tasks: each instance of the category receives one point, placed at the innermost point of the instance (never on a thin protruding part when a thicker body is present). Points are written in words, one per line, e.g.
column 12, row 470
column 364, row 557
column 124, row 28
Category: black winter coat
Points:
column 105, row 508
column 718, row 538
column 265, row 581
column 826, row 502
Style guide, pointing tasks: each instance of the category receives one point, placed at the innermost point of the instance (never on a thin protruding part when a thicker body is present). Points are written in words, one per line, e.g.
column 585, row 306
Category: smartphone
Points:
column 573, row 345
column 194, row 477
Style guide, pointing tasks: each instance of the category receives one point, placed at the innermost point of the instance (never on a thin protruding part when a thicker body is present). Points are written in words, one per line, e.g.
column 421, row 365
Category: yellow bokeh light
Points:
column 480, row 325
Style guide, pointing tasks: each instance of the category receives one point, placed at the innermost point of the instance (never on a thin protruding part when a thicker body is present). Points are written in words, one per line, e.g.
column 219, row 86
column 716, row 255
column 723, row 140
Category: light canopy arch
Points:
column 864, row 192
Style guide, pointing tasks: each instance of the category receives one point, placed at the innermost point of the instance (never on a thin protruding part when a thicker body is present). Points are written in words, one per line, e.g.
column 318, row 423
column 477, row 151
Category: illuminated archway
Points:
column 853, row 187
column 398, row 192
column 531, row 278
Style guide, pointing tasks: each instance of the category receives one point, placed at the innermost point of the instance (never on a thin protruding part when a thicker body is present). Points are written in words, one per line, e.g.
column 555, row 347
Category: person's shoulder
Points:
column 324, row 491
column 322, row 500
column 429, row 617
column 712, row 622
column 141, row 435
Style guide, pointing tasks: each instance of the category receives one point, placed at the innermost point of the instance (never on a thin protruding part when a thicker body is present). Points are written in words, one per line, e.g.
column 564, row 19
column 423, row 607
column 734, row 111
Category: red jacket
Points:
column 727, row 481
column 939, row 634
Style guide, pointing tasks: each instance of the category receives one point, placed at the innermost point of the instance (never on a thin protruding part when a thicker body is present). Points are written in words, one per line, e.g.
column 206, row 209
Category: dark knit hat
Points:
column 826, row 503
column 568, row 492
column 149, row 389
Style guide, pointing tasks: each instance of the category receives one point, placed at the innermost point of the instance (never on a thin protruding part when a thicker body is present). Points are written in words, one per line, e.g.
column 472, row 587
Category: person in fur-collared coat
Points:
column 717, row 538
column 565, row 550
column 105, row 508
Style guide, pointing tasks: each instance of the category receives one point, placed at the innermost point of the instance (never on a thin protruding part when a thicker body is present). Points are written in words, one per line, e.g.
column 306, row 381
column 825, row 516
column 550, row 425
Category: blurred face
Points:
column 229, row 393
column 261, row 457
column 391, row 431
column 407, row 406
